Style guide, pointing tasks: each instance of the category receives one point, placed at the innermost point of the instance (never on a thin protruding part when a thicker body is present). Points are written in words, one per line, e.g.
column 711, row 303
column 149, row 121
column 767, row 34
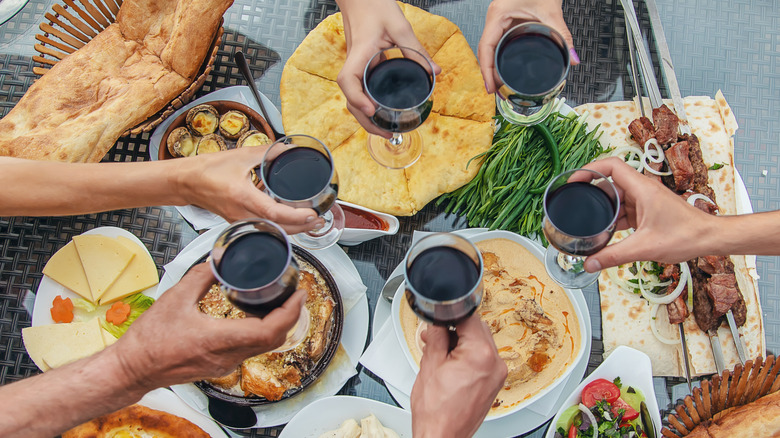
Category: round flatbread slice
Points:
column 137, row 421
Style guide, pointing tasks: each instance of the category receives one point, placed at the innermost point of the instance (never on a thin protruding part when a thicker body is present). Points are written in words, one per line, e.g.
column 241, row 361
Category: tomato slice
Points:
column 630, row 413
column 599, row 389
column 572, row 431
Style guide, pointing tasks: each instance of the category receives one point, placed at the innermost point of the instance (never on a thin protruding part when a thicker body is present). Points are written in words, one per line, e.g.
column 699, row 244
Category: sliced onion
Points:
column 685, row 277
column 654, row 327
column 696, row 196
column 658, row 149
column 621, row 283
column 584, row 409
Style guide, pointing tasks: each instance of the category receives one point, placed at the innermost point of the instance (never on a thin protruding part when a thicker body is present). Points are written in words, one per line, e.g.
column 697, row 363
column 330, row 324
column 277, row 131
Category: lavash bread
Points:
column 459, row 127
column 127, row 73
column 626, row 316
column 135, row 419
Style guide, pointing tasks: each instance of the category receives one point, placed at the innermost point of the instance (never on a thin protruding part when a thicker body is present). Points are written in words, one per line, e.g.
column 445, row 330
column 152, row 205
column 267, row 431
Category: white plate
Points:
column 328, row 413
column 164, row 400
column 634, row 369
column 523, row 420
column 199, row 218
column 49, row 289
column 353, row 338
column 354, row 236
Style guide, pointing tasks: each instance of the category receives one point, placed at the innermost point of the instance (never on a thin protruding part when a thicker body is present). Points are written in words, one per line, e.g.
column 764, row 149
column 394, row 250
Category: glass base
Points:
column 325, row 236
column 296, row 334
column 567, row 270
column 399, row 152
column 533, row 117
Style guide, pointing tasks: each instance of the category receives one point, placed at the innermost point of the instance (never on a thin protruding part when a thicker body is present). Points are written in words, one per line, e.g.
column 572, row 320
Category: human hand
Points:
column 668, row 229
column 173, row 342
column 502, row 15
column 455, row 389
column 221, row 183
column 370, row 26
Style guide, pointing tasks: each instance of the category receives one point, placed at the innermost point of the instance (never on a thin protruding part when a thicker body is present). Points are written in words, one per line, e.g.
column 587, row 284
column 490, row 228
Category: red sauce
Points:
column 355, row 218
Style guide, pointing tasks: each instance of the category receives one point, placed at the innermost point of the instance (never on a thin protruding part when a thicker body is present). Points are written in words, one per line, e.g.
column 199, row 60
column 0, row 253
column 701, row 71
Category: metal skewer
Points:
column 635, row 41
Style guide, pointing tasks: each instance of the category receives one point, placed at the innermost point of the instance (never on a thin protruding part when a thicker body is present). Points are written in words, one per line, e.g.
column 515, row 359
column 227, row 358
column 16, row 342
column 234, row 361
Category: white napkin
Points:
column 340, row 370
column 385, row 358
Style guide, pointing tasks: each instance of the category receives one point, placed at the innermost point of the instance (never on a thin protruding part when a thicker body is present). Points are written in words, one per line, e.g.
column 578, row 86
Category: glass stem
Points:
column 323, row 230
column 396, row 140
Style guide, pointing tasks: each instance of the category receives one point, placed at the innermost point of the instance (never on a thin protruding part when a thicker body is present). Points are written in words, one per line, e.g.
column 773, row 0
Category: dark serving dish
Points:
column 334, row 339
column 222, row 106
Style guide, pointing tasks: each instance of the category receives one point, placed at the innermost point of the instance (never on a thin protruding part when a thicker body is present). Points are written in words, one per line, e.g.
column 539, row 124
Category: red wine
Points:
column 299, row 173
column 531, row 63
column 443, row 274
column 255, row 261
column 580, row 209
column 399, row 83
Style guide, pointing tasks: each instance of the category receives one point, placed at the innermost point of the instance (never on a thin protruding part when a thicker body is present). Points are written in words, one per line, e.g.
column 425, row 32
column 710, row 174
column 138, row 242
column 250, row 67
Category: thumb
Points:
column 437, row 343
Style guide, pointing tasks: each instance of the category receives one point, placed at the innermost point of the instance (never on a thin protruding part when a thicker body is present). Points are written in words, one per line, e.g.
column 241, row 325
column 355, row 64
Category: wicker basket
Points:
column 723, row 394
column 72, row 25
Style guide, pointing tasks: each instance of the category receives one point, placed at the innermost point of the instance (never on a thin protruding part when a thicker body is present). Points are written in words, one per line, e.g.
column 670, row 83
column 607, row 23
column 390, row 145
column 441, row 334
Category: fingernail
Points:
column 486, row 88
column 310, row 218
column 592, row 265
column 574, row 57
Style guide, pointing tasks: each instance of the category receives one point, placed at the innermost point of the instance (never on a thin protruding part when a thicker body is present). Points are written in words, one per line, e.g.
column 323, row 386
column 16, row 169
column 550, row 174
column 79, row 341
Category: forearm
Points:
column 36, row 188
column 50, row 403
column 757, row 233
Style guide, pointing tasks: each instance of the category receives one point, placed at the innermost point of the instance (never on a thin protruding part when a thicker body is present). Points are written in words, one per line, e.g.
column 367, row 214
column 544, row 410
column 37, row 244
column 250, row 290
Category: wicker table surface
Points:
column 732, row 46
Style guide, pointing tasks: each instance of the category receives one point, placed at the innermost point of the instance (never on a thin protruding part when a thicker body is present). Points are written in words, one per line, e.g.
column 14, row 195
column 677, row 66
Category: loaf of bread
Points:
column 127, row 73
column 760, row 418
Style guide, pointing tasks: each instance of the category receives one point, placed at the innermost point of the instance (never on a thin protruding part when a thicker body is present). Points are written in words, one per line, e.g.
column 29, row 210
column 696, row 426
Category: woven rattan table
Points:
column 732, row 46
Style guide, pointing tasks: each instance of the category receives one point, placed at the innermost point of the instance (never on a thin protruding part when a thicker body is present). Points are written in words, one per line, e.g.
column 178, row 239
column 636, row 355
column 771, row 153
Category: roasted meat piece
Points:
column 666, row 123
column 722, row 288
column 712, row 264
column 641, row 130
column 268, row 375
column 680, row 165
column 700, row 177
column 702, row 304
column 677, row 309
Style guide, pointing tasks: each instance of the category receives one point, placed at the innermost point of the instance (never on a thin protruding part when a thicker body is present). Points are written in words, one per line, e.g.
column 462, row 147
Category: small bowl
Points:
column 256, row 120
column 355, row 236
column 581, row 312
column 634, row 369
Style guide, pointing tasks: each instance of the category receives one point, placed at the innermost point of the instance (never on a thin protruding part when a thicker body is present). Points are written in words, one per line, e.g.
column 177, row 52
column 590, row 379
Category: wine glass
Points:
column 297, row 170
column 580, row 211
column 400, row 82
column 254, row 264
column 531, row 64
column 443, row 275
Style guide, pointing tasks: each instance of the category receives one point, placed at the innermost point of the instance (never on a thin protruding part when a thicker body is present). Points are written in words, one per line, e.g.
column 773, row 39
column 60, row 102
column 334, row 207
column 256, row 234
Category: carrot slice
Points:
column 62, row 309
column 118, row 313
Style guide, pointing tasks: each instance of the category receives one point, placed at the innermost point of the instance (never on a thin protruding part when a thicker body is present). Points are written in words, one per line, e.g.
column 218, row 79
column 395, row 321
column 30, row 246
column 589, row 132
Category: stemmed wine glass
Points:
column 443, row 274
column 580, row 212
column 400, row 81
column 298, row 171
column 531, row 64
column 254, row 264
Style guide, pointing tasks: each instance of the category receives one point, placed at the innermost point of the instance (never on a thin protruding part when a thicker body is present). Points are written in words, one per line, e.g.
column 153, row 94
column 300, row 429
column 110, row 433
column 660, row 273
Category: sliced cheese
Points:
column 139, row 275
column 108, row 338
column 104, row 259
column 65, row 268
column 54, row 345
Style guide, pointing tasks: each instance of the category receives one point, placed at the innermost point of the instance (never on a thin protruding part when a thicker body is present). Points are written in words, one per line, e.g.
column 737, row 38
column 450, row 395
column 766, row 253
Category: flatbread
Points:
column 459, row 127
column 127, row 73
column 135, row 420
column 626, row 316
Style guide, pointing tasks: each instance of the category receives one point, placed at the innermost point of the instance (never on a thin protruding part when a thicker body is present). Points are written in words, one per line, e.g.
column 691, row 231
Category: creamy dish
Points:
column 534, row 324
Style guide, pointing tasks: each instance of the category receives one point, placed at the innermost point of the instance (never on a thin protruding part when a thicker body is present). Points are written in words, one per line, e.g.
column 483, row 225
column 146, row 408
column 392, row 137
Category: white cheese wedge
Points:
column 108, row 338
column 140, row 274
column 54, row 345
column 65, row 268
column 104, row 259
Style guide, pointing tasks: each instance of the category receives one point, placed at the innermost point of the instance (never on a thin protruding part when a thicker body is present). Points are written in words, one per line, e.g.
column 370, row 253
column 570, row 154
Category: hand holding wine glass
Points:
column 581, row 208
column 298, row 171
column 400, row 82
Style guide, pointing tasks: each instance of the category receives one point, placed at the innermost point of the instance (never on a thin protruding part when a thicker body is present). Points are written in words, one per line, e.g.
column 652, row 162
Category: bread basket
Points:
column 73, row 23
column 722, row 394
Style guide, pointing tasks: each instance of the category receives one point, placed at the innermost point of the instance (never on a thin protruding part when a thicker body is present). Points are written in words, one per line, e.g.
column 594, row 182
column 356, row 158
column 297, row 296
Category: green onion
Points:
column 507, row 191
